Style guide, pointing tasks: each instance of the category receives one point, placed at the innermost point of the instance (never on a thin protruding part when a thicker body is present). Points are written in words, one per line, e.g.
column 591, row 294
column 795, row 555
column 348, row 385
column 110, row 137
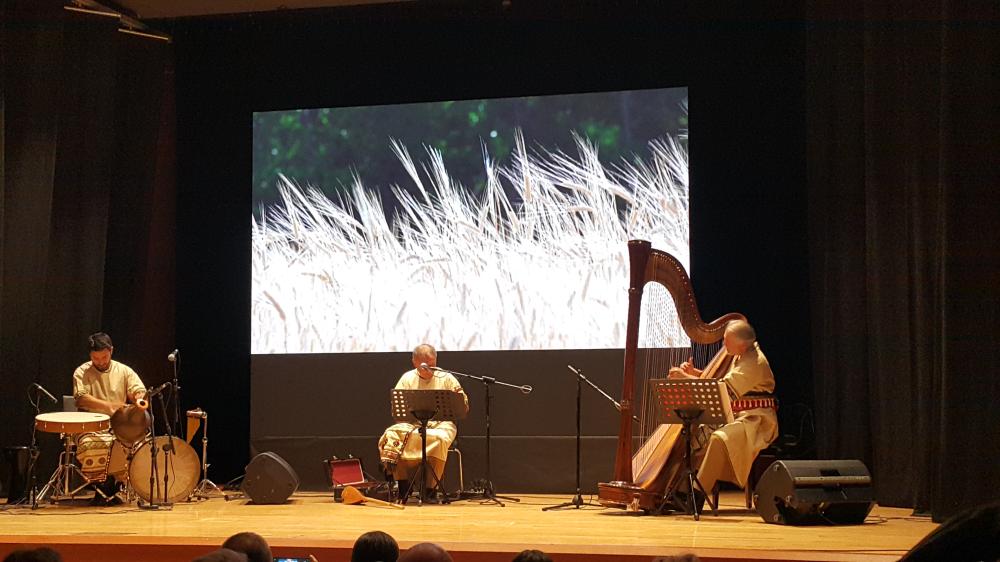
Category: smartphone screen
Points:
column 294, row 559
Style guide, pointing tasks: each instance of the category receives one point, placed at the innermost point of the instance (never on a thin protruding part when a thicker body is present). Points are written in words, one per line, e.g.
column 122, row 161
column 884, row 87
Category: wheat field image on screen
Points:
column 537, row 260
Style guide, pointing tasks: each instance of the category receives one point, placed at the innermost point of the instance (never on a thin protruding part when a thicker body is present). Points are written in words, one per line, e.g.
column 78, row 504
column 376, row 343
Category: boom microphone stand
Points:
column 577, row 502
column 154, row 483
column 175, row 358
column 488, row 494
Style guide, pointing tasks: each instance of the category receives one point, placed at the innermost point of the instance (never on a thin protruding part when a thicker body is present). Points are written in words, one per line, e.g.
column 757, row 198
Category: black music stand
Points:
column 418, row 407
column 691, row 402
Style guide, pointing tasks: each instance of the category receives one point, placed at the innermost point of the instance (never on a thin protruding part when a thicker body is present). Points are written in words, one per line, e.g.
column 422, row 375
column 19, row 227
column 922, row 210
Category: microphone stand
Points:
column 169, row 448
column 153, row 450
column 577, row 502
column 30, row 490
column 33, row 456
column 177, row 391
column 489, row 494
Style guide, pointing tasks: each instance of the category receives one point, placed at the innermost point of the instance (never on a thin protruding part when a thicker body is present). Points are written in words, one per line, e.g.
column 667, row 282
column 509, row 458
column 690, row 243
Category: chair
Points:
column 760, row 463
column 454, row 454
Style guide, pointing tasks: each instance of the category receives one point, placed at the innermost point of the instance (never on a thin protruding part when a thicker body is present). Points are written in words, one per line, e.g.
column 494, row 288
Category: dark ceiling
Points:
column 165, row 9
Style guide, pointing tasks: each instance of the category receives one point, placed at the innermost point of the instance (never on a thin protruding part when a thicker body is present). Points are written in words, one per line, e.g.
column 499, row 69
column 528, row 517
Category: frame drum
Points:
column 183, row 471
column 72, row 422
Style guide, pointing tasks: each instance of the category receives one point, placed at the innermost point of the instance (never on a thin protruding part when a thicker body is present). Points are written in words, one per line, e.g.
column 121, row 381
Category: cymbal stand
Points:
column 206, row 488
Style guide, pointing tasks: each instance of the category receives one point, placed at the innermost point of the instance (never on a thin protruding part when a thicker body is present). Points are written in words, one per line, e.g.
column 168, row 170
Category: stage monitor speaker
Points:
column 832, row 492
column 269, row 479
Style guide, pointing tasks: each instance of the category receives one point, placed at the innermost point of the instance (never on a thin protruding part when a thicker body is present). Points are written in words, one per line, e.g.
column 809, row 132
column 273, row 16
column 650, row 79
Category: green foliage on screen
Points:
column 327, row 147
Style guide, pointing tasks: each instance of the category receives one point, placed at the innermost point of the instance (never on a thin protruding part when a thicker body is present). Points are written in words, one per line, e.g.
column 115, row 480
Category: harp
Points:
column 642, row 477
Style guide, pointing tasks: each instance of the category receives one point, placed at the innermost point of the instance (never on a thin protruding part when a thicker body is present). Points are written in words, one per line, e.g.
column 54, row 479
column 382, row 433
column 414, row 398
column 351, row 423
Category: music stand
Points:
column 418, row 407
column 690, row 402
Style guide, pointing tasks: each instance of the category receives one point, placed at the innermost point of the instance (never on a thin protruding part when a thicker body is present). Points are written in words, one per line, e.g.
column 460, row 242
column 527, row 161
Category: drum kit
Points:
column 122, row 447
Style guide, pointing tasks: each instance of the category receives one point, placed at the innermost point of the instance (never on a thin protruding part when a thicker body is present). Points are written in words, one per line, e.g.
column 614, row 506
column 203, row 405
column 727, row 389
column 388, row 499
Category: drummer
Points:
column 103, row 385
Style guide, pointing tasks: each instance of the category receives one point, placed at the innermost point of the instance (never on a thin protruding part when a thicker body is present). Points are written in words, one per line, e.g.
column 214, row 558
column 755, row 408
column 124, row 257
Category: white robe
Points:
column 402, row 440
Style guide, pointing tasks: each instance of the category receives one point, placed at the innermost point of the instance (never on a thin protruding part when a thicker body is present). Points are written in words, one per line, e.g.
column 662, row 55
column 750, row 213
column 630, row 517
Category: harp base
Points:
column 623, row 495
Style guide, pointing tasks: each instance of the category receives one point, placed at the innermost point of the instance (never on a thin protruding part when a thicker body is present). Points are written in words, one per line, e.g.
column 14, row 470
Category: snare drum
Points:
column 93, row 451
column 72, row 422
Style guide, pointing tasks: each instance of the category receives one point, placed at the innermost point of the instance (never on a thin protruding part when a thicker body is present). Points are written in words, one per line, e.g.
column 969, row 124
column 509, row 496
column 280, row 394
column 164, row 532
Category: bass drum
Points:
column 181, row 469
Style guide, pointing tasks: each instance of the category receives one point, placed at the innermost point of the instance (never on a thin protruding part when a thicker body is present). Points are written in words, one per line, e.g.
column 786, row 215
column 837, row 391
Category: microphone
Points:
column 576, row 371
column 526, row 389
column 173, row 355
column 47, row 394
column 426, row 366
column 158, row 389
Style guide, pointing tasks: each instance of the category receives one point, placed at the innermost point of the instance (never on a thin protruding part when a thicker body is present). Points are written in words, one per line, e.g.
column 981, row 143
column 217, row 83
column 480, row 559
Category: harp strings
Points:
column 662, row 345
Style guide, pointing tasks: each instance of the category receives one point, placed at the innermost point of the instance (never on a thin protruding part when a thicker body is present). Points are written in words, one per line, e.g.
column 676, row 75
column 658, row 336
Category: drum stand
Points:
column 206, row 488
column 62, row 478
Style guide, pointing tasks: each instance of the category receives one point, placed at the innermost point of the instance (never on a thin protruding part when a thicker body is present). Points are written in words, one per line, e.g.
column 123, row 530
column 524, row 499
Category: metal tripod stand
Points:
column 206, row 488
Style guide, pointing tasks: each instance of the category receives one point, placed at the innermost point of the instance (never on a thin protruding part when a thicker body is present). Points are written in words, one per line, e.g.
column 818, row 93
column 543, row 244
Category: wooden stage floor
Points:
column 311, row 523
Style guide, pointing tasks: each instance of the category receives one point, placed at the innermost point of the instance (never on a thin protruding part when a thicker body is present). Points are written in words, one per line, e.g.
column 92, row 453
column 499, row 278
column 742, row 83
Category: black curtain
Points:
column 84, row 224
column 903, row 168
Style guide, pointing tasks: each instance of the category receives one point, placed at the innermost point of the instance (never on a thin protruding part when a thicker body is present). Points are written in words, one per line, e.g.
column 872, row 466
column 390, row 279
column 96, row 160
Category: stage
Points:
column 311, row 523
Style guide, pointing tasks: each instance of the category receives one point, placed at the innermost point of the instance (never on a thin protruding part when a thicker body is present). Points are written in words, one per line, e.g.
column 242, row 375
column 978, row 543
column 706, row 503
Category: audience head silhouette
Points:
column 43, row 554
column 251, row 544
column 222, row 555
column 375, row 546
column 532, row 555
column 425, row 552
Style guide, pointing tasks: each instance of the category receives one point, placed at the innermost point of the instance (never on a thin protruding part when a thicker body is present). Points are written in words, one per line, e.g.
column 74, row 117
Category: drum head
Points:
column 182, row 471
column 71, row 422
column 130, row 424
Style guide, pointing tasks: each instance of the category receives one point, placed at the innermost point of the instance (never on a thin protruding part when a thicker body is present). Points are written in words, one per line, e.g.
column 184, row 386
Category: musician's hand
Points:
column 688, row 366
column 678, row 373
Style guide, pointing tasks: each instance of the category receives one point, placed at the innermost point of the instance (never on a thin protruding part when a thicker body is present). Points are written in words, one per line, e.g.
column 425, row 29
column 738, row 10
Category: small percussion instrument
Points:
column 194, row 418
column 71, row 422
column 131, row 422
column 181, row 469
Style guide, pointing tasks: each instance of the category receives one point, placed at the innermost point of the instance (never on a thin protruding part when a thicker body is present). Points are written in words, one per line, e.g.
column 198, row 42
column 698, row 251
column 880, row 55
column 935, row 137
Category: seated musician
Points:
column 733, row 447
column 102, row 385
column 399, row 447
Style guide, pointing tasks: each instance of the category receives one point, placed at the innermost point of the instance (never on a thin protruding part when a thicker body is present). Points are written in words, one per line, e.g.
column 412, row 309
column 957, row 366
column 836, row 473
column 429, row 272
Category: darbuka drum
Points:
column 93, row 451
column 130, row 423
column 182, row 470
column 71, row 422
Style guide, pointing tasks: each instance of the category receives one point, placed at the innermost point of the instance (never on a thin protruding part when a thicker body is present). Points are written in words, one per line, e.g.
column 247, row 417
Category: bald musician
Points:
column 733, row 447
column 399, row 447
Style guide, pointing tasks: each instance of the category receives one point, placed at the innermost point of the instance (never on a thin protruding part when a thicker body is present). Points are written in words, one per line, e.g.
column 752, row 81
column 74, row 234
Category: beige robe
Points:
column 115, row 385
column 402, row 440
column 733, row 447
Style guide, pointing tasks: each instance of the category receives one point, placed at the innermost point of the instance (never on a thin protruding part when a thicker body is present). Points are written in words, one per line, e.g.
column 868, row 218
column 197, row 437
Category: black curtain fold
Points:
column 81, row 121
column 904, row 290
